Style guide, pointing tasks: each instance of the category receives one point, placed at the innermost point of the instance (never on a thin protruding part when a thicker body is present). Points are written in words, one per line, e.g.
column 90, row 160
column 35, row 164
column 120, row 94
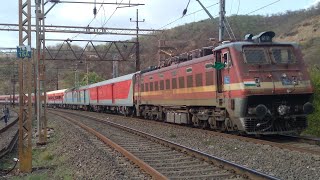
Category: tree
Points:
column 91, row 78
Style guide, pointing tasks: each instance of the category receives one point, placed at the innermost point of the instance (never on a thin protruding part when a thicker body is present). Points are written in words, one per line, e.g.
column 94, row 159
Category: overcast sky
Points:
column 157, row 13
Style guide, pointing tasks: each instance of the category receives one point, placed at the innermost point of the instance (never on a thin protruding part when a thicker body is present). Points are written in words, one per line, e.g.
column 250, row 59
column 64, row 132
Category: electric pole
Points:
column 25, row 104
column 137, row 43
column 221, row 19
column 222, row 13
column 115, row 67
column 40, row 72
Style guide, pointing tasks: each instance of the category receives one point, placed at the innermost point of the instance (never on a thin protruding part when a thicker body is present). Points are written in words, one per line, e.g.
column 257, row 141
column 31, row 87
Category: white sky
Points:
column 156, row 13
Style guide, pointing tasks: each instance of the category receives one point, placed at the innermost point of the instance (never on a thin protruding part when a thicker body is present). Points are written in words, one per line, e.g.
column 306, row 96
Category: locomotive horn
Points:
column 308, row 108
column 261, row 111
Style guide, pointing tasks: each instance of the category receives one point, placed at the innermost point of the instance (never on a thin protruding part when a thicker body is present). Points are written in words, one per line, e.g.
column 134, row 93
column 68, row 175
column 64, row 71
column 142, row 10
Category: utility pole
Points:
column 221, row 19
column 40, row 72
column 57, row 85
column 115, row 67
column 13, row 89
column 25, row 104
column 137, row 43
column 222, row 13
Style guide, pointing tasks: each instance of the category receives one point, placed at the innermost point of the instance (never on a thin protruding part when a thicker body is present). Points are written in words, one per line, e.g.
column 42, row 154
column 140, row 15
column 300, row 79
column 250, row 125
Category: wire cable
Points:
column 263, row 7
column 109, row 18
column 91, row 20
column 232, row 33
column 238, row 7
column 187, row 15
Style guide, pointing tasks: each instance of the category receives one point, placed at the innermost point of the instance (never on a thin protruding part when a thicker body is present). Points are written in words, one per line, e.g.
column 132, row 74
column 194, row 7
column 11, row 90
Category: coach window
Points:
column 174, row 83
column 162, row 85
column 189, row 81
column 199, row 79
column 142, row 87
column 167, row 83
column 156, row 86
column 209, row 78
column 151, row 86
column 181, row 82
column 146, row 87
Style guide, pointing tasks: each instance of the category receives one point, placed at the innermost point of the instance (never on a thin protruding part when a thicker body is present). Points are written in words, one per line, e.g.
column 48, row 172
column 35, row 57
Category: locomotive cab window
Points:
column 283, row 55
column 226, row 59
column 255, row 55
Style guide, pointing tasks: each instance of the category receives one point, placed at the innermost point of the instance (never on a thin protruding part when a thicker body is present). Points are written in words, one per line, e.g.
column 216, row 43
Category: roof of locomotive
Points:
column 185, row 63
column 239, row 44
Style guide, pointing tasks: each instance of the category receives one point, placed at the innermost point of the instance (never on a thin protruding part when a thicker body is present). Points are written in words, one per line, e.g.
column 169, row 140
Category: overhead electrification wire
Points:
column 187, row 15
column 108, row 19
column 263, row 7
column 231, row 30
column 91, row 20
column 238, row 7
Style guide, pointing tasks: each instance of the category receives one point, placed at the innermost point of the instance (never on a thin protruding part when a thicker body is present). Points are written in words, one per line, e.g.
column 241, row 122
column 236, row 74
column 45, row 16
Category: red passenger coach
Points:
column 114, row 94
column 55, row 98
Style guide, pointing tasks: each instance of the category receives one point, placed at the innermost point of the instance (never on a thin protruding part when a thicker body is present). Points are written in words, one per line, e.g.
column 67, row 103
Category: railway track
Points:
column 293, row 143
column 160, row 158
column 9, row 136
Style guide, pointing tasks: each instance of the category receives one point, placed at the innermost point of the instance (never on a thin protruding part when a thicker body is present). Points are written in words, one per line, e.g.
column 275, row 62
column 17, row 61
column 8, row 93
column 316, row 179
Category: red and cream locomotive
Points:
column 257, row 87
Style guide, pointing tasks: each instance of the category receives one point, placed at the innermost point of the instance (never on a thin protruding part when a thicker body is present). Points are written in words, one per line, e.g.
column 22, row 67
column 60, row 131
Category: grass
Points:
column 208, row 142
column 313, row 119
column 172, row 135
column 7, row 161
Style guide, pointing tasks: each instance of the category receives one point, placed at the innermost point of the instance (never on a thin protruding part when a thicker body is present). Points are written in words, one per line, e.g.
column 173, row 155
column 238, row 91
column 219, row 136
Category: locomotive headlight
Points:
column 283, row 109
column 308, row 108
column 261, row 111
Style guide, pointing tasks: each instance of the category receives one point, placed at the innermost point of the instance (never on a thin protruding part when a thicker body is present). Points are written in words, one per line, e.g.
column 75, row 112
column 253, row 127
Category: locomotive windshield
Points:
column 260, row 55
column 255, row 55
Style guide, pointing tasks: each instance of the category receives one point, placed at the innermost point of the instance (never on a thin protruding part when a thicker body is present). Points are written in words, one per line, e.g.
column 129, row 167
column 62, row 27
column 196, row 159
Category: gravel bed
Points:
column 85, row 157
column 281, row 163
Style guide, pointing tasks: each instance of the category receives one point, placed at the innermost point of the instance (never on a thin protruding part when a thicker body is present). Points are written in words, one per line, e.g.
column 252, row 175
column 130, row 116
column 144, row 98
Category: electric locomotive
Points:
column 255, row 86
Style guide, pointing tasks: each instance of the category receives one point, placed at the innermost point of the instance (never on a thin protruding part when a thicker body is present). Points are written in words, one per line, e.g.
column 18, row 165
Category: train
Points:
column 254, row 86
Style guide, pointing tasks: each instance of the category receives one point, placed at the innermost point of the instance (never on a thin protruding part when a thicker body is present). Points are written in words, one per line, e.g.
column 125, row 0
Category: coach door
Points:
column 138, row 88
column 113, row 93
column 84, row 96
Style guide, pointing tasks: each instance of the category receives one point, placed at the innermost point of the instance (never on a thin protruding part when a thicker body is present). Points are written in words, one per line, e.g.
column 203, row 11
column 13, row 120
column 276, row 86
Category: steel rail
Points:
column 13, row 141
column 11, row 145
column 154, row 173
column 247, row 172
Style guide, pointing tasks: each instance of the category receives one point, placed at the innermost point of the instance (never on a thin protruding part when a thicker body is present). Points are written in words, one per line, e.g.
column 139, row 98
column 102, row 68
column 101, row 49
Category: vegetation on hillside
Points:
column 313, row 119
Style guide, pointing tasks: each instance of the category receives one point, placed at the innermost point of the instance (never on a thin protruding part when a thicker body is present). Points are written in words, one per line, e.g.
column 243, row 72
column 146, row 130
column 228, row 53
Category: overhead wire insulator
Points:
column 95, row 8
column 94, row 11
